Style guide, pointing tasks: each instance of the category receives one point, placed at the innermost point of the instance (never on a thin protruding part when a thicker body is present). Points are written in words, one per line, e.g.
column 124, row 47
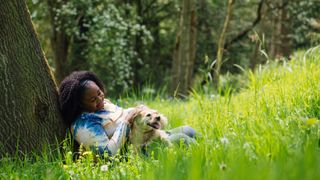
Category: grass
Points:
column 269, row 130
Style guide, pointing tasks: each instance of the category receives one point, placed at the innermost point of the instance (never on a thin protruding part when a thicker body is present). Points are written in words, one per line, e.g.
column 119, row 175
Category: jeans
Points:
column 186, row 134
column 183, row 133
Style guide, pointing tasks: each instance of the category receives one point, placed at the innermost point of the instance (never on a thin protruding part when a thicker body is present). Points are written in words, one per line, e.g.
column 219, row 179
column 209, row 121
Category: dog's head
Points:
column 149, row 119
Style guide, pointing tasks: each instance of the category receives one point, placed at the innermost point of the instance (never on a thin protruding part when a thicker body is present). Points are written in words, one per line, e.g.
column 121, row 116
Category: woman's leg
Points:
column 187, row 130
column 184, row 133
column 178, row 137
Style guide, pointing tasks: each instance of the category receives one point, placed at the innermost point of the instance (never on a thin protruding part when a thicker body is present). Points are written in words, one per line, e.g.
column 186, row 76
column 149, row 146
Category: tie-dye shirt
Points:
column 102, row 131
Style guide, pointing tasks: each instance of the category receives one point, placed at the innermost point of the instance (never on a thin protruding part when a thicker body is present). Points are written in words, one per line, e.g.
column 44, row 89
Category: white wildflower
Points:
column 246, row 146
column 222, row 166
column 224, row 140
column 71, row 173
column 104, row 168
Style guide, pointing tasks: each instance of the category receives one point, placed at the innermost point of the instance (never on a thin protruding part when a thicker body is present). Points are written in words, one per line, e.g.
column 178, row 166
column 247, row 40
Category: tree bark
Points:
column 185, row 49
column 30, row 117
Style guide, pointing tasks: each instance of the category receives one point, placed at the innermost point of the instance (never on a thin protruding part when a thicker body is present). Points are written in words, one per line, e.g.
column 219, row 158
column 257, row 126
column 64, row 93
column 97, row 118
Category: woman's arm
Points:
column 92, row 135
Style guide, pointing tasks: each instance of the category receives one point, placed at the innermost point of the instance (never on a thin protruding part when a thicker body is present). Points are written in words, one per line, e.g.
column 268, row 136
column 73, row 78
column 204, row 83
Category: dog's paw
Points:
column 162, row 134
column 169, row 144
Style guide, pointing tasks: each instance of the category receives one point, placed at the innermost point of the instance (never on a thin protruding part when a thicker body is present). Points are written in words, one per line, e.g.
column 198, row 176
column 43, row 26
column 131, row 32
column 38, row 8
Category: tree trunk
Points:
column 79, row 47
column 70, row 51
column 280, row 45
column 60, row 41
column 255, row 58
column 185, row 49
column 29, row 113
column 221, row 42
column 285, row 31
column 204, row 21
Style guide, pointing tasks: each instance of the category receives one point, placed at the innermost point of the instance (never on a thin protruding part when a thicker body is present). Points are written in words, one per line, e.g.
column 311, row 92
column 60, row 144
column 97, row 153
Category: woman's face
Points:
column 92, row 98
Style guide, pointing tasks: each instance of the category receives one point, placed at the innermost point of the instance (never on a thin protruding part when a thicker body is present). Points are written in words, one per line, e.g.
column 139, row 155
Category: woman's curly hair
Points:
column 71, row 91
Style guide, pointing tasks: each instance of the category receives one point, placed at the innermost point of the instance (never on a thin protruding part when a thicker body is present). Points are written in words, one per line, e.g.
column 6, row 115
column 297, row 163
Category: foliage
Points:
column 268, row 131
column 111, row 35
column 305, row 34
column 161, row 18
column 130, row 43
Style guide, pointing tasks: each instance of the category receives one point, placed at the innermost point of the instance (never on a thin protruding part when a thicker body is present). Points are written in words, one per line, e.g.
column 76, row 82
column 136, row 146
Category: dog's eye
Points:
column 148, row 115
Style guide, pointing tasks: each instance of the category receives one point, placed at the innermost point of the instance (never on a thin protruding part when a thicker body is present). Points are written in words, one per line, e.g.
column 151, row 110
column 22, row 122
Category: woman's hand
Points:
column 134, row 113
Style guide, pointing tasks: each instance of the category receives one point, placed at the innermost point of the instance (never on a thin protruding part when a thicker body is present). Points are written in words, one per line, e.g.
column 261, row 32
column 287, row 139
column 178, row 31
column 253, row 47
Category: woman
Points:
column 94, row 121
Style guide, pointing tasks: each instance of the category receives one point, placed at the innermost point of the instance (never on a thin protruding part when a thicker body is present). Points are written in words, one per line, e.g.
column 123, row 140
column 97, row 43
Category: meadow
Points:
column 268, row 130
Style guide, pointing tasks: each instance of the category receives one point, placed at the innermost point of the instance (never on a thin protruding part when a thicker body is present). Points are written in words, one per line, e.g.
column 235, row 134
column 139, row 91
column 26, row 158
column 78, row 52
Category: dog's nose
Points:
column 158, row 118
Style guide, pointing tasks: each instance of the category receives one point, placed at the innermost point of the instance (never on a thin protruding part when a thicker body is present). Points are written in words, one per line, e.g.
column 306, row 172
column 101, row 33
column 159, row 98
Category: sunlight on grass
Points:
column 268, row 131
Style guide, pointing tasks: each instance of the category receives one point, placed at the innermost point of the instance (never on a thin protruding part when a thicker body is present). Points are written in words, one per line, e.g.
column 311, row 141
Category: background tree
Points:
column 280, row 43
column 154, row 58
column 59, row 40
column 97, row 35
column 305, row 17
column 29, row 108
column 222, row 42
column 69, row 31
column 130, row 44
column 185, row 48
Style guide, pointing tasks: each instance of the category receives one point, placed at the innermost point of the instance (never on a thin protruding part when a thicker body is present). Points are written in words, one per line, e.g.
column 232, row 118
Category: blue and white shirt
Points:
column 102, row 131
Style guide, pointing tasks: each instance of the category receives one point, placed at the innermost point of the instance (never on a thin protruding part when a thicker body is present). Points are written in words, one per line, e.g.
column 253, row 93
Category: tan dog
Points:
column 146, row 126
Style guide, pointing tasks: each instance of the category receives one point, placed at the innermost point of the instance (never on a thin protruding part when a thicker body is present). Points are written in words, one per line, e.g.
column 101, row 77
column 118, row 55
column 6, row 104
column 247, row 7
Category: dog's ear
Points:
column 141, row 107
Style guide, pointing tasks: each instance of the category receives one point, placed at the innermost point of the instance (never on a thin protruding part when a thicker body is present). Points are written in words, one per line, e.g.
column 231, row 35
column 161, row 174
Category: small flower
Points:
column 213, row 96
column 71, row 173
column 246, row 146
column 224, row 140
column 87, row 153
column 104, row 168
column 223, row 166
column 312, row 121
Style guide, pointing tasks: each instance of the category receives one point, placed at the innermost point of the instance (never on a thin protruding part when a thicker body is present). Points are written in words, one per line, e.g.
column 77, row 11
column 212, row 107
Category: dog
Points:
column 146, row 125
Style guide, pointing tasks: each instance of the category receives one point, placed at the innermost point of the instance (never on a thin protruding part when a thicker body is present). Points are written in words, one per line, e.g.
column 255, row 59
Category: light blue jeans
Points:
column 183, row 133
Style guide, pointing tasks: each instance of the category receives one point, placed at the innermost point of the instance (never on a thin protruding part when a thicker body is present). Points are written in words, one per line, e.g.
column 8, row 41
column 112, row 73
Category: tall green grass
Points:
column 270, row 130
